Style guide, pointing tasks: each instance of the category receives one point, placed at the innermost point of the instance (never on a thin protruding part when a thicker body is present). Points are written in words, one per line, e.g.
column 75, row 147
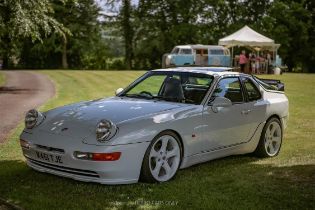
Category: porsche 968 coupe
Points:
column 166, row 120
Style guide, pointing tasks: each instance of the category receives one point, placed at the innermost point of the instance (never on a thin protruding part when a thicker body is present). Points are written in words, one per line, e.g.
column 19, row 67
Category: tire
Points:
column 162, row 158
column 270, row 140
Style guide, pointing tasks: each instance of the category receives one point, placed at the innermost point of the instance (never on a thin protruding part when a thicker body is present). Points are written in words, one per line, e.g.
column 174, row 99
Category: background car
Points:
column 165, row 120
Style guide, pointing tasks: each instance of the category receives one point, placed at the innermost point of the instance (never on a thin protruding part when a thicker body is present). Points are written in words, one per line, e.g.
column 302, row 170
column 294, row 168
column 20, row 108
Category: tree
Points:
column 75, row 51
column 289, row 23
column 25, row 19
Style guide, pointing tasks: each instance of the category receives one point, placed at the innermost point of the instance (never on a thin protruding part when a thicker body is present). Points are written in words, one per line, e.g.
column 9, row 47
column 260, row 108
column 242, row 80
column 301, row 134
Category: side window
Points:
column 252, row 91
column 185, row 51
column 229, row 88
column 216, row 52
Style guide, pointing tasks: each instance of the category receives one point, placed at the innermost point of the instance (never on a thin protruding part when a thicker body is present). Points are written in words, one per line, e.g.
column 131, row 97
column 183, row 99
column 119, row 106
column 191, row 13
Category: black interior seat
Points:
column 173, row 89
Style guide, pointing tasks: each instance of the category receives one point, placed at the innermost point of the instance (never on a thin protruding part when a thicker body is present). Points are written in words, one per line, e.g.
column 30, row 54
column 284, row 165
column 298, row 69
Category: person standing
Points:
column 243, row 61
column 253, row 63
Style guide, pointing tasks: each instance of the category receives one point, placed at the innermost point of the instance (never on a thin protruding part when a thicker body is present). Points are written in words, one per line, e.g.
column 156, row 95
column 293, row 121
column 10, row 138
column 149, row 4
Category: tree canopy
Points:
column 125, row 34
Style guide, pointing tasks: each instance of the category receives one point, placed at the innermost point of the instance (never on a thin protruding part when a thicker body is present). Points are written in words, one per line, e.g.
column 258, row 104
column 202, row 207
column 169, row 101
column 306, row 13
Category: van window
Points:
column 202, row 51
column 185, row 51
column 216, row 52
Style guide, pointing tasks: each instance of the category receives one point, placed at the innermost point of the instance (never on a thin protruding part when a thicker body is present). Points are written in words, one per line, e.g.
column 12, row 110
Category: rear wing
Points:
column 273, row 84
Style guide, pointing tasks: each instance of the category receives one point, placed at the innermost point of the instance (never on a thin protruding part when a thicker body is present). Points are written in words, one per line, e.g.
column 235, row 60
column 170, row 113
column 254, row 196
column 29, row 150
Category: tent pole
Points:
column 276, row 55
column 232, row 56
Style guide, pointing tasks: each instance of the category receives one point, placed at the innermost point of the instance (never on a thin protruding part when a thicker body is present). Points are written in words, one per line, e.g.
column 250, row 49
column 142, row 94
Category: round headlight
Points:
column 31, row 118
column 105, row 129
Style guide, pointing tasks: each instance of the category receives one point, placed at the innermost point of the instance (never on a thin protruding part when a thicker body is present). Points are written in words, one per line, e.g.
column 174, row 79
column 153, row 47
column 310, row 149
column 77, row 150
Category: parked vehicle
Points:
column 166, row 120
column 197, row 55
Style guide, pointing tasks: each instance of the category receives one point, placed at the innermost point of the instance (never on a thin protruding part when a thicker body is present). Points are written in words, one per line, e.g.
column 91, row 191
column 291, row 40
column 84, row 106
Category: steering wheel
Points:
column 146, row 93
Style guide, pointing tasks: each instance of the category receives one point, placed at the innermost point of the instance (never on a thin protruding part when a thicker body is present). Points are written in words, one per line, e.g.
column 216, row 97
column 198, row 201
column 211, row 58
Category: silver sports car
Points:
column 166, row 120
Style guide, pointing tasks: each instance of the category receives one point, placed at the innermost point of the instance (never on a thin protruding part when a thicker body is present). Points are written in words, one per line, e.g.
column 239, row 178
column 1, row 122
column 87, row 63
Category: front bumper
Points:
column 126, row 170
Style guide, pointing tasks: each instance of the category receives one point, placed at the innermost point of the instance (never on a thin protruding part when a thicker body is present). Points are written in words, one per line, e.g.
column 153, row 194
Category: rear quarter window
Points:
column 252, row 91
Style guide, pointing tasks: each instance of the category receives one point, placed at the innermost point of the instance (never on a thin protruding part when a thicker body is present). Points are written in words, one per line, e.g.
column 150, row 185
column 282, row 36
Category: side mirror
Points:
column 119, row 90
column 220, row 102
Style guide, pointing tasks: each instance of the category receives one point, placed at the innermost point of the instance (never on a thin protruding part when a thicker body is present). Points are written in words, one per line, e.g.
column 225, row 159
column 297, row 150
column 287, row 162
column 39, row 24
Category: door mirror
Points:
column 119, row 90
column 220, row 102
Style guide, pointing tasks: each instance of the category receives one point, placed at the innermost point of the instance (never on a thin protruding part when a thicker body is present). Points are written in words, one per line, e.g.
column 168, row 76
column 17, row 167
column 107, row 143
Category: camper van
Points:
column 197, row 55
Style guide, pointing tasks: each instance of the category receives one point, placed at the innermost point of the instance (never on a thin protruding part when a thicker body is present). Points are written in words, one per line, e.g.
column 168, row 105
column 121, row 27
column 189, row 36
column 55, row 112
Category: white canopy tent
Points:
column 247, row 37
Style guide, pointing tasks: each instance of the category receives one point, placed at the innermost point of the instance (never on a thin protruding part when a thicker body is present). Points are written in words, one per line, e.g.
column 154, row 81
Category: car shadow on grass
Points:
column 238, row 182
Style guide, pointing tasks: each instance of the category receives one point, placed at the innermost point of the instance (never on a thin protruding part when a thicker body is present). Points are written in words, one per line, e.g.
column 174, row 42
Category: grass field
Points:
column 239, row 182
column 1, row 79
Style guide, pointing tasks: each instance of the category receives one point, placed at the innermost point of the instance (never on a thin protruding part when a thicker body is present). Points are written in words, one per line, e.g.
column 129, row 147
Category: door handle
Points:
column 246, row 111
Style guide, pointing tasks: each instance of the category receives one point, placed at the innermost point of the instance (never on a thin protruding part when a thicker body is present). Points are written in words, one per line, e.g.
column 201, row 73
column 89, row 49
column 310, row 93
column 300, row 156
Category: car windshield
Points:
column 181, row 87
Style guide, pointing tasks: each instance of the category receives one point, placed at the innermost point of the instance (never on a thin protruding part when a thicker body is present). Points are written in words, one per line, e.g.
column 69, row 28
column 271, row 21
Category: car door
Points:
column 229, row 126
column 255, row 105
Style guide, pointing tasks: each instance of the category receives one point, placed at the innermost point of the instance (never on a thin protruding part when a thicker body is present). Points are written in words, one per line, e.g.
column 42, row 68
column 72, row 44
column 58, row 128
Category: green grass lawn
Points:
column 239, row 182
column 2, row 79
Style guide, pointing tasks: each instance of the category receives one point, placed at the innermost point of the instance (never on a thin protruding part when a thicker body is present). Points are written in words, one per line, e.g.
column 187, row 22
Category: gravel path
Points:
column 24, row 90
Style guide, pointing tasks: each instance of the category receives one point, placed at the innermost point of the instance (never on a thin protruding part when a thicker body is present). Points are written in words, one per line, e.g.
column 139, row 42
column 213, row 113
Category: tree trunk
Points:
column 6, row 51
column 64, row 53
column 128, row 33
column 5, row 64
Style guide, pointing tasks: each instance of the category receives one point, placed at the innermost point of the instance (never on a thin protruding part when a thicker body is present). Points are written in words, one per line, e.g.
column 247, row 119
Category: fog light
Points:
column 97, row 156
column 24, row 144
column 83, row 155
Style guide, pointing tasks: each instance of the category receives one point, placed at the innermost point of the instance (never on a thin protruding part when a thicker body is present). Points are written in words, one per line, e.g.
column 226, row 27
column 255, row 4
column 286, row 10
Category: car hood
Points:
column 85, row 115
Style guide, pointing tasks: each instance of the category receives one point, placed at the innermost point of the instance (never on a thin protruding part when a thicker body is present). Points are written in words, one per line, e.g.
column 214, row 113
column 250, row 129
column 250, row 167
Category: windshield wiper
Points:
column 137, row 96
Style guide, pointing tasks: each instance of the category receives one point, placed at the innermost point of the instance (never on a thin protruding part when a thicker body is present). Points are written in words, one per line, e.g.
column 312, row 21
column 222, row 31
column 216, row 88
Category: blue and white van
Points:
column 197, row 55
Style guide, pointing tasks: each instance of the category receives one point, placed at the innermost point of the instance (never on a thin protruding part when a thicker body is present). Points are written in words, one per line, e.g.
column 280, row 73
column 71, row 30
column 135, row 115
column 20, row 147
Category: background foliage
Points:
column 125, row 34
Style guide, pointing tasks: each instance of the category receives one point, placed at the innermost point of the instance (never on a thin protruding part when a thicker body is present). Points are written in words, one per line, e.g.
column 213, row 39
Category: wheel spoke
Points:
column 167, row 168
column 154, row 154
column 164, row 144
column 172, row 153
column 271, row 148
column 276, row 139
column 272, row 131
column 157, row 169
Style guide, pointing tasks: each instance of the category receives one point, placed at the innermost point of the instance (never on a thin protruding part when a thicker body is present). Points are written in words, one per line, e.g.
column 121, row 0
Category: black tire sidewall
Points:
column 261, row 149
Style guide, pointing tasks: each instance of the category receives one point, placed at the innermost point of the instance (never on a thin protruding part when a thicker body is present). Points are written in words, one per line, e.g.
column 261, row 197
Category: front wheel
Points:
column 162, row 158
column 270, row 140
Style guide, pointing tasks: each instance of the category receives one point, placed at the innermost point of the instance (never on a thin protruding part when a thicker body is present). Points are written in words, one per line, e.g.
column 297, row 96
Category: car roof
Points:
column 203, row 70
column 199, row 46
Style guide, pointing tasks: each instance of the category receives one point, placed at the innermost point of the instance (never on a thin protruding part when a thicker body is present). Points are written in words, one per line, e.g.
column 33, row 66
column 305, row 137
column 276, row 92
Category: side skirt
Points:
column 243, row 148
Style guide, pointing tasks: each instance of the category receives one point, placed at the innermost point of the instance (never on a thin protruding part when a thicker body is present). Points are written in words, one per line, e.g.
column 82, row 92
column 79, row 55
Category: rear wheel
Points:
column 270, row 140
column 162, row 158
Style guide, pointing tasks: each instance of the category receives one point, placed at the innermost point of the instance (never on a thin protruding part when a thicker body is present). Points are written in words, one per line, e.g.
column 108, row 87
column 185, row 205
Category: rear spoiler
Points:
column 274, row 82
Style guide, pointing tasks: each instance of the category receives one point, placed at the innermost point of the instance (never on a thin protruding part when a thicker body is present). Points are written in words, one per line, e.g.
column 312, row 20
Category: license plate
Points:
column 49, row 157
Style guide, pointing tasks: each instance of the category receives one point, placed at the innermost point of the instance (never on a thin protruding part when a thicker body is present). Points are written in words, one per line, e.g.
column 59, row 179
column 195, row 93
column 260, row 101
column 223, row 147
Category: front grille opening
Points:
column 50, row 149
column 68, row 170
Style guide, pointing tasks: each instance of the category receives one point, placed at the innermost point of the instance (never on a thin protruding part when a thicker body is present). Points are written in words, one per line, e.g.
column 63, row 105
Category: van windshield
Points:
column 175, row 50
